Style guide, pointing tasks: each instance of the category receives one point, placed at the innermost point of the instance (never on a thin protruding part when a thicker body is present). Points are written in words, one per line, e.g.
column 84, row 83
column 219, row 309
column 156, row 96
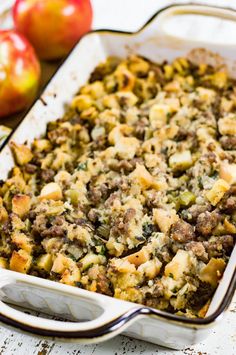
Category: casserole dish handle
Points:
column 209, row 33
column 110, row 322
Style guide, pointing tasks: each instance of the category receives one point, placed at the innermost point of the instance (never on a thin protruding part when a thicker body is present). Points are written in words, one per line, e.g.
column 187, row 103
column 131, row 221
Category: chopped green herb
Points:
column 102, row 250
column 83, row 166
column 72, row 257
column 214, row 174
column 147, row 229
column 200, row 183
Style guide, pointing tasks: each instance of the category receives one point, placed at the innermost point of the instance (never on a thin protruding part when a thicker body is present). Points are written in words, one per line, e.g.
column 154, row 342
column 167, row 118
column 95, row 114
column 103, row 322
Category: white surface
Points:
column 121, row 15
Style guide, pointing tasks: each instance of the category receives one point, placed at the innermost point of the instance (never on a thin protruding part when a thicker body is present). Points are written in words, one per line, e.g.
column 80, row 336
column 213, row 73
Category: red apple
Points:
column 19, row 72
column 52, row 26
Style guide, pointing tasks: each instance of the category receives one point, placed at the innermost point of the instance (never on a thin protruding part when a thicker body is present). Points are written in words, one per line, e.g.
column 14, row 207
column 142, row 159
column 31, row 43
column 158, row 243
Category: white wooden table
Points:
column 126, row 15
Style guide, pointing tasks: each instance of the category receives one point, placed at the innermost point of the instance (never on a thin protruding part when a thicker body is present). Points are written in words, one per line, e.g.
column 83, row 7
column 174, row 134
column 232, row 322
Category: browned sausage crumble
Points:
column 132, row 193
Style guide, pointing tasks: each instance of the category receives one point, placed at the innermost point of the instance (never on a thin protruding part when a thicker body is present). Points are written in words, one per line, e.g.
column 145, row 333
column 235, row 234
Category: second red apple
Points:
column 52, row 26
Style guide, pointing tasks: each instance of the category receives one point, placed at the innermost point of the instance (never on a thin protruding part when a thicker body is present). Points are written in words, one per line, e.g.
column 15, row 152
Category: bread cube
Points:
column 169, row 71
column 219, row 79
column 95, row 89
column 110, row 101
column 42, row 145
column 44, row 262
column 181, row 161
column 227, row 125
column 3, row 212
column 70, row 277
column 142, row 177
column 118, row 132
column 138, row 258
column 150, row 268
column 21, row 205
column 51, row 191
column 61, row 263
column 62, row 177
column 228, row 172
column 127, row 98
column 229, row 227
column 158, row 115
column 213, row 271
column 22, row 241
column 138, row 66
column 3, row 263
column 21, row 152
column 180, row 263
column 82, row 102
column 164, row 219
column 126, row 147
column 217, row 192
column 206, row 95
column 20, row 261
column 125, row 78
column 122, row 266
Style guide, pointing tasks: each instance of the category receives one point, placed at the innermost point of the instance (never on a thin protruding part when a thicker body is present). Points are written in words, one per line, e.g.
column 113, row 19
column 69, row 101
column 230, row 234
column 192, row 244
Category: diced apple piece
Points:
column 142, row 177
column 227, row 125
column 138, row 258
column 213, row 271
column 3, row 263
column 51, row 191
column 92, row 259
column 44, row 262
column 164, row 219
column 228, row 172
column 22, row 153
column 217, row 192
column 181, row 161
column 20, row 261
column 21, row 205
column 180, row 263
column 158, row 115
